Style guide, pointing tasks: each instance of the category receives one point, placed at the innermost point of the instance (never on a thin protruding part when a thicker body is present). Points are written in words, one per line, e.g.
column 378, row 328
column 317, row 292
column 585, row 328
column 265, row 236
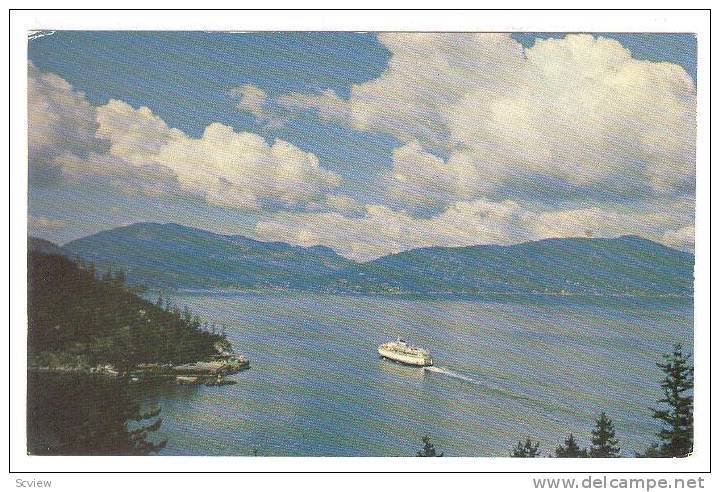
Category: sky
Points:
column 367, row 143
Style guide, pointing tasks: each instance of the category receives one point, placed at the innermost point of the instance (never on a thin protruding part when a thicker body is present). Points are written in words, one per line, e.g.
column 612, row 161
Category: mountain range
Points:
column 171, row 256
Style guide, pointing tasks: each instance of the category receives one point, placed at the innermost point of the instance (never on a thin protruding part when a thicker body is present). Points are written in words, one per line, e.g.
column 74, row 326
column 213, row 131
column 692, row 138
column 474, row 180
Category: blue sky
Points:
column 186, row 79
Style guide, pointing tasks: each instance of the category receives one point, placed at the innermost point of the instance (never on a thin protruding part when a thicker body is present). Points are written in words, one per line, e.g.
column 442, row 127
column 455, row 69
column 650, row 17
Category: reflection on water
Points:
column 77, row 414
column 401, row 371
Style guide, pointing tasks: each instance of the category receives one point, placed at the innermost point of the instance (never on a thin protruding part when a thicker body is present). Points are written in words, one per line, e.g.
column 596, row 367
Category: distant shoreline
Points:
column 419, row 295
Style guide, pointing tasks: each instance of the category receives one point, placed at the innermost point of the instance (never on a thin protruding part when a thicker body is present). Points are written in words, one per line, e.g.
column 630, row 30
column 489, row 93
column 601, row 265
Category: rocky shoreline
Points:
column 210, row 373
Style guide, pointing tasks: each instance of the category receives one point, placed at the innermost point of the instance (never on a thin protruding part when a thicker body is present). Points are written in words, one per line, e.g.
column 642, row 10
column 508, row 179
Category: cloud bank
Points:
column 383, row 230
column 575, row 125
column 567, row 117
column 496, row 143
column 135, row 151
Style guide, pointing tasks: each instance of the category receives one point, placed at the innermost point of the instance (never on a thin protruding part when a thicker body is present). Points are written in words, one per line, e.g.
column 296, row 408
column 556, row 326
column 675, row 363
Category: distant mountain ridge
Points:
column 174, row 256
column 624, row 265
column 171, row 255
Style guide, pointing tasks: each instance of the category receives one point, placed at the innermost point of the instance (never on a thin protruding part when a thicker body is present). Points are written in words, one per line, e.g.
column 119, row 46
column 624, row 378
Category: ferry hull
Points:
column 411, row 360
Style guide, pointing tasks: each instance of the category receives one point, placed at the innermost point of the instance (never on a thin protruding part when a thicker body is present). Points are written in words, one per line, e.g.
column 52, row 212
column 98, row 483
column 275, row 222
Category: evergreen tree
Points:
column 526, row 450
column 119, row 279
column 137, row 438
column 570, row 449
column 603, row 440
column 77, row 414
column 186, row 315
column 91, row 270
column 676, row 415
column 428, row 449
column 652, row 452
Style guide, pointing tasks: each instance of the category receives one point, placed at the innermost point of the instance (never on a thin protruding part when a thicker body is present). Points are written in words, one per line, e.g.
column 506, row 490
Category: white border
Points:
column 22, row 21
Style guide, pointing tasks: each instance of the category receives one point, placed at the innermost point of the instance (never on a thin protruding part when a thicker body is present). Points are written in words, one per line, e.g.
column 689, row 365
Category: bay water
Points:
column 505, row 369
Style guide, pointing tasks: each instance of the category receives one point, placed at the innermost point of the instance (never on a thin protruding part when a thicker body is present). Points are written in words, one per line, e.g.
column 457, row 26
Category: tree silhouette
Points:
column 652, row 452
column 570, row 449
column 603, row 440
column 676, row 436
column 428, row 449
column 526, row 450
column 137, row 438
column 76, row 414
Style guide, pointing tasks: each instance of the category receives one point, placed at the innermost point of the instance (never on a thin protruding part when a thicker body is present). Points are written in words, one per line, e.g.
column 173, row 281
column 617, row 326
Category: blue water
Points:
column 505, row 369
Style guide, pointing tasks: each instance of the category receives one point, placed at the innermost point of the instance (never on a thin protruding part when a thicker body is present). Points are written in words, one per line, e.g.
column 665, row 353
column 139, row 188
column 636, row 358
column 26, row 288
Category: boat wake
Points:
column 452, row 374
column 484, row 383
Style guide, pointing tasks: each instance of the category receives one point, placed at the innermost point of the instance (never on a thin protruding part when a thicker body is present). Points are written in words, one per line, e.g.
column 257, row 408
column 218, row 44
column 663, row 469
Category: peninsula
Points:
column 80, row 321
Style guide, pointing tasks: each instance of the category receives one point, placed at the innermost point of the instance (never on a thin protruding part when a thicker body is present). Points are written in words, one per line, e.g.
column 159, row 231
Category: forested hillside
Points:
column 76, row 318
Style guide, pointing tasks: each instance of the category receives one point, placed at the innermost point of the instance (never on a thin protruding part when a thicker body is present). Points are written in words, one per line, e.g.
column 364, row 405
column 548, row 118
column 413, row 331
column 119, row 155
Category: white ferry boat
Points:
column 400, row 351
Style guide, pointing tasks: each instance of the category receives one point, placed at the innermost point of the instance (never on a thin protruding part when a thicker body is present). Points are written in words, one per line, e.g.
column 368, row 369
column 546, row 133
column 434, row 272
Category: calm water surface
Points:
column 506, row 369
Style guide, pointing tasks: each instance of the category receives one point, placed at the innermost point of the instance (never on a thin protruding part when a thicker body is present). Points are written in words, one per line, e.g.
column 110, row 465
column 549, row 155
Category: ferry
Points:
column 401, row 351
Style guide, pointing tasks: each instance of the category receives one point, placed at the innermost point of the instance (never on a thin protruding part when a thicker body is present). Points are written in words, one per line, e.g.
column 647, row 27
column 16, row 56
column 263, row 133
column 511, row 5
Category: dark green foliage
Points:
column 137, row 437
column 75, row 318
column 526, row 450
column 570, row 449
column 77, row 414
column 676, row 413
column 651, row 452
column 44, row 246
column 428, row 449
column 604, row 444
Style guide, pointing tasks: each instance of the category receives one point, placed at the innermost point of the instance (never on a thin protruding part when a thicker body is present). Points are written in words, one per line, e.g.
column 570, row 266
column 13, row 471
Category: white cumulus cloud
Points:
column 254, row 100
column 583, row 114
column 60, row 120
column 135, row 151
column 501, row 144
column 479, row 116
column 328, row 105
column 250, row 98
column 428, row 74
